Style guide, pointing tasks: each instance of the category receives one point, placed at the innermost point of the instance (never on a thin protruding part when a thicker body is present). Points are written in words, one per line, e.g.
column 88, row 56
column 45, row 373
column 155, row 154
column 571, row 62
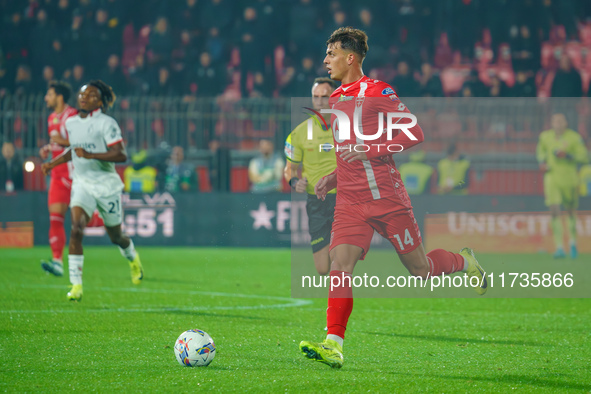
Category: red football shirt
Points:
column 377, row 177
column 56, row 125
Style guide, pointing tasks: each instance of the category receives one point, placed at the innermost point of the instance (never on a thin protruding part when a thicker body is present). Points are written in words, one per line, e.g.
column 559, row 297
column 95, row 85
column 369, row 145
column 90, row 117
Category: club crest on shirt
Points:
column 387, row 91
column 359, row 101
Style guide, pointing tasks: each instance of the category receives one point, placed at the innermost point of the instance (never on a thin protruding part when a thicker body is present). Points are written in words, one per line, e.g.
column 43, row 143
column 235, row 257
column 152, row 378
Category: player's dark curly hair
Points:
column 108, row 97
column 61, row 88
column 351, row 39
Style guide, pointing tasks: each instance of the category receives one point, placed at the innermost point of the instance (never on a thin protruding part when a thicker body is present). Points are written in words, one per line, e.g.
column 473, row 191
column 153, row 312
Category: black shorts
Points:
column 320, row 218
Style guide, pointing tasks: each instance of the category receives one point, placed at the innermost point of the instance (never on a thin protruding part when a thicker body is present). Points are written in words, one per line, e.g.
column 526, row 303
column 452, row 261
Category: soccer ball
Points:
column 194, row 348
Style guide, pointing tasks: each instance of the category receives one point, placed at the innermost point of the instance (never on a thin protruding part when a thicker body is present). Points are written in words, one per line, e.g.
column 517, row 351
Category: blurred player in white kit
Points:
column 96, row 145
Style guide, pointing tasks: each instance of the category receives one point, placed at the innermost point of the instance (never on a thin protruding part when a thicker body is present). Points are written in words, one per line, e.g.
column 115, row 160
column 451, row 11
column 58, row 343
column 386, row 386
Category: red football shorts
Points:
column 60, row 189
column 354, row 224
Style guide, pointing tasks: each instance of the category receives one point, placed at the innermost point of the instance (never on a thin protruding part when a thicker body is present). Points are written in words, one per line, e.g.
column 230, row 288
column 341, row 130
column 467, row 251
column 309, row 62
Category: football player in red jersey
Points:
column 371, row 195
column 60, row 185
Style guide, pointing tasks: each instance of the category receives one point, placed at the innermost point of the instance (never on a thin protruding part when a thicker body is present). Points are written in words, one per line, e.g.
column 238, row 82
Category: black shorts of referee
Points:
column 320, row 218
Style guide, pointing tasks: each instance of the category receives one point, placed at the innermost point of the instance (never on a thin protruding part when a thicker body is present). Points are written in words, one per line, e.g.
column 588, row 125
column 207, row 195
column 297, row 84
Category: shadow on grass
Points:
column 521, row 379
column 456, row 340
column 500, row 378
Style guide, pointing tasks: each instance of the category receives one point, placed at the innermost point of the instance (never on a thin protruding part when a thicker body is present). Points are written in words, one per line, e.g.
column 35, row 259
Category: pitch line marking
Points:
column 289, row 302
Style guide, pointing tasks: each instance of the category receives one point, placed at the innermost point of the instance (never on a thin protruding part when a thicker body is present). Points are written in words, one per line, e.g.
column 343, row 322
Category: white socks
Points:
column 129, row 252
column 75, row 263
column 335, row 338
column 465, row 269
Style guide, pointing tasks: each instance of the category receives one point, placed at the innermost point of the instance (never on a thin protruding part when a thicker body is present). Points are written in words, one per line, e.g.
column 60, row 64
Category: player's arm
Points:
column 541, row 154
column 65, row 157
column 58, row 139
column 290, row 170
column 44, row 151
column 408, row 136
column 578, row 151
column 326, row 184
column 290, row 173
column 293, row 157
column 116, row 153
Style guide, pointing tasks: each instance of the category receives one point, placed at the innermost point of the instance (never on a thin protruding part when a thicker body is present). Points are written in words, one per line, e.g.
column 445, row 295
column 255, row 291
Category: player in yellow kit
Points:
column 559, row 152
column 317, row 158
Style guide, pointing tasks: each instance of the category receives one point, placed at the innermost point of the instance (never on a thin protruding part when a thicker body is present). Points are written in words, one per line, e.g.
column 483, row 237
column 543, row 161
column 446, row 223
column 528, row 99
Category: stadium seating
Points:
column 239, row 182
column 204, row 181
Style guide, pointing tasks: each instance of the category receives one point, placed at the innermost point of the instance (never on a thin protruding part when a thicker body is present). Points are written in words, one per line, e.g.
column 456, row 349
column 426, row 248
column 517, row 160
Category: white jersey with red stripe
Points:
column 377, row 177
column 95, row 134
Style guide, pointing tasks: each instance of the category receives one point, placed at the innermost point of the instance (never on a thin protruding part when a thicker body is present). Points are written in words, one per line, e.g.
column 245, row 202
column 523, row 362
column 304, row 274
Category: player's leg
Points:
column 401, row 229
column 439, row 261
column 79, row 220
column 571, row 203
column 322, row 260
column 127, row 250
column 553, row 199
column 82, row 204
column 80, row 217
column 350, row 242
column 320, row 218
column 557, row 233
column 58, row 200
column 340, row 305
column 572, row 232
column 340, row 296
column 112, row 214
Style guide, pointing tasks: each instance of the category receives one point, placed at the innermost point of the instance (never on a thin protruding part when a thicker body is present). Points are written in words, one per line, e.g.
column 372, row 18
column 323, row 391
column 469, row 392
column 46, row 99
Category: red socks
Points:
column 57, row 235
column 444, row 262
column 340, row 303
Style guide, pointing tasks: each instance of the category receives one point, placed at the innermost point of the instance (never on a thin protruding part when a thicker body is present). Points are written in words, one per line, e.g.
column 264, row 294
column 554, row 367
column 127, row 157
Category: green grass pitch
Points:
column 120, row 338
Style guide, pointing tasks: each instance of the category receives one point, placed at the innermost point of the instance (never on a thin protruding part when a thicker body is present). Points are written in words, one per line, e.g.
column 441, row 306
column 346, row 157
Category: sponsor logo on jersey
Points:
column 345, row 98
column 326, row 147
column 388, row 91
column 288, row 150
column 393, row 97
column 56, row 120
column 89, row 147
